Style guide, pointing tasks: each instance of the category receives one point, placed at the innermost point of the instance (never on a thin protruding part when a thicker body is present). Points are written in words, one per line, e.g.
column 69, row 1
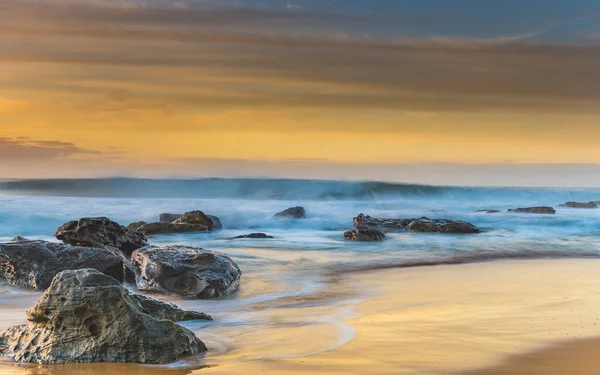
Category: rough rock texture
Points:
column 364, row 235
column 253, row 235
column 168, row 311
column 580, row 205
column 86, row 316
column 187, row 271
column 18, row 239
column 133, row 227
column 198, row 217
column 169, row 218
column 33, row 264
column 534, row 210
column 442, row 226
column 99, row 232
column 293, row 213
column 166, row 228
column 363, row 222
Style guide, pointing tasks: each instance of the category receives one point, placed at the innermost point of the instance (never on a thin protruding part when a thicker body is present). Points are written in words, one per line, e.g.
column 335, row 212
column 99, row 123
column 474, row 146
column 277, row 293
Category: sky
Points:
column 434, row 91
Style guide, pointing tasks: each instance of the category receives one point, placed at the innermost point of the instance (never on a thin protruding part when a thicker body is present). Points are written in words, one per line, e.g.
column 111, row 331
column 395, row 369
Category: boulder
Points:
column 364, row 235
column 363, row 222
column 100, row 232
column 580, row 205
column 217, row 224
column 169, row 218
column 534, row 210
column 18, row 239
column 427, row 225
column 86, row 316
column 166, row 228
column 292, row 213
column 198, row 217
column 133, row 227
column 33, row 264
column 186, row 271
column 253, row 235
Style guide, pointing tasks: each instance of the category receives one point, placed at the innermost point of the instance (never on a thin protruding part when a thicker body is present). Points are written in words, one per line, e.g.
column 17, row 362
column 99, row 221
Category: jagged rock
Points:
column 169, row 218
column 187, row 271
column 534, row 210
column 364, row 235
column 580, row 205
column 33, row 264
column 442, row 226
column 99, row 232
column 363, row 222
column 166, row 228
column 293, row 213
column 489, row 211
column 18, row 239
column 133, row 227
column 168, row 311
column 253, row 235
column 198, row 217
column 86, row 316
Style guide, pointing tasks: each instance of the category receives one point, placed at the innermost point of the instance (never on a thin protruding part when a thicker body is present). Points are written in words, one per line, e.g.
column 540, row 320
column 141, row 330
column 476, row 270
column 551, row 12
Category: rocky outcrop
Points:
column 364, row 235
column 580, row 205
column 100, row 232
column 199, row 218
column 133, row 227
column 292, row 213
column 187, row 271
column 169, row 218
column 166, row 228
column 86, row 316
column 489, row 211
column 534, row 210
column 168, row 311
column 363, row 222
column 33, row 264
column 367, row 223
column 253, row 235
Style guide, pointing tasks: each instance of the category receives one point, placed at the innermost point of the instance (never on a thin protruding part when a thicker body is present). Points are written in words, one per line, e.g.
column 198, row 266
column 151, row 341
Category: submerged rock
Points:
column 534, row 210
column 187, row 271
column 489, row 211
column 580, row 205
column 364, row 235
column 33, row 264
column 427, row 225
column 292, row 213
column 199, row 217
column 169, row 218
column 99, row 232
column 253, row 235
column 166, row 228
column 86, row 316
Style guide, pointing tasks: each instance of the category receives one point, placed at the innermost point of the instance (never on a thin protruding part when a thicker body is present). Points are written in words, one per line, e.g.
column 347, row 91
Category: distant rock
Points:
column 363, row 222
column 427, row 225
column 99, row 232
column 18, row 239
column 489, row 211
column 169, row 218
column 364, row 235
column 253, row 235
column 167, row 228
column 292, row 213
column 580, row 205
column 199, row 217
column 33, row 264
column 186, row 271
column 534, row 210
column 133, row 227
column 86, row 316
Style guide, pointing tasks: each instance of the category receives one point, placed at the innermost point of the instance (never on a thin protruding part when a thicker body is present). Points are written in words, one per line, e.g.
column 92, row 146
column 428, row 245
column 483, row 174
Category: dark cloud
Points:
column 22, row 149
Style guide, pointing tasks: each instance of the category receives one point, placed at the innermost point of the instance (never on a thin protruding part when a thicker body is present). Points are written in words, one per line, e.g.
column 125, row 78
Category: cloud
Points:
column 22, row 149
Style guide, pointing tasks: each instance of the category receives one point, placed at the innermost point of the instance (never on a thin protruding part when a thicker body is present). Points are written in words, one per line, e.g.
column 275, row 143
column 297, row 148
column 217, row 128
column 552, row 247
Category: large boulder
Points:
column 253, row 236
column 292, row 213
column 364, row 223
column 149, row 229
column 364, row 235
column 199, row 217
column 100, row 232
column 427, row 225
column 33, row 264
column 169, row 218
column 580, row 205
column 86, row 316
column 534, row 210
column 187, row 271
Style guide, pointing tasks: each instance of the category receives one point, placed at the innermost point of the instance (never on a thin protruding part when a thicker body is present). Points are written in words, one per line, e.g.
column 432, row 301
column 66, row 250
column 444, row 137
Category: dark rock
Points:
column 169, row 218
column 86, row 316
column 186, row 271
column 253, row 235
column 99, row 232
column 19, row 239
column 168, row 311
column 364, row 235
column 534, row 210
column 489, row 211
column 293, row 213
column 166, row 228
column 133, row 227
column 198, row 217
column 427, row 225
column 216, row 222
column 363, row 222
column 33, row 264
column 580, row 205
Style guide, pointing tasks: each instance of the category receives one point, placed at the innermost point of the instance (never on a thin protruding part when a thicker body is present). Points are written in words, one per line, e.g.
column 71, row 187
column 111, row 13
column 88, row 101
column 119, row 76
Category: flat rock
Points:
column 166, row 228
column 489, row 211
column 186, row 271
column 33, row 264
column 364, row 235
column 99, row 232
column 580, row 205
column 199, row 217
column 427, row 225
column 86, row 316
column 292, row 213
column 534, row 210
column 169, row 218
column 253, row 235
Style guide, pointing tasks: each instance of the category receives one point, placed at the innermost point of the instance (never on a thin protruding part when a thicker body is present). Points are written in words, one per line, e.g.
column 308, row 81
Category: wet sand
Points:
column 428, row 320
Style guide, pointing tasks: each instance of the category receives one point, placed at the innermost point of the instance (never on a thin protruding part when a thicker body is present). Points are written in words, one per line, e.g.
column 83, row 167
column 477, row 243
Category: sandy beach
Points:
column 511, row 317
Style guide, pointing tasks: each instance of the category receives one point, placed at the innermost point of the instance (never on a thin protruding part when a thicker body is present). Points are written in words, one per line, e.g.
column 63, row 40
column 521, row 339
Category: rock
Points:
column 167, row 311
column 293, row 213
column 86, row 316
column 534, row 210
column 166, row 228
column 133, row 227
column 186, row 271
column 364, row 235
column 198, row 217
column 253, row 235
column 580, row 205
column 99, row 232
column 427, row 225
column 489, row 211
column 19, row 239
column 169, row 218
column 363, row 222
column 33, row 264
